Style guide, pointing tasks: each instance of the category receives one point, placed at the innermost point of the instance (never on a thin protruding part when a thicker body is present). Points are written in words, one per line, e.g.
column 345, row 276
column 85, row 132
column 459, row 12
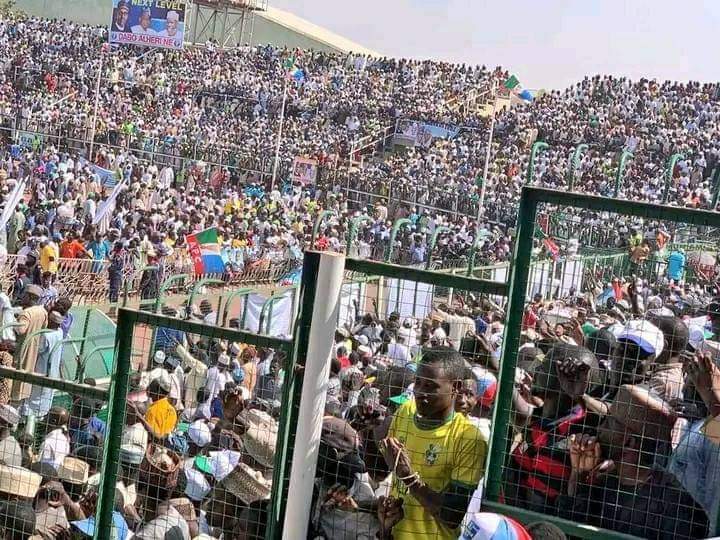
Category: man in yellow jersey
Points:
column 436, row 456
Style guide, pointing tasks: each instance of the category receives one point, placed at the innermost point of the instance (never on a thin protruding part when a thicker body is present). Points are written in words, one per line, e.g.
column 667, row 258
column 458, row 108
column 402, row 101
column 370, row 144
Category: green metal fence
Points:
column 638, row 422
column 251, row 416
column 389, row 317
column 52, row 430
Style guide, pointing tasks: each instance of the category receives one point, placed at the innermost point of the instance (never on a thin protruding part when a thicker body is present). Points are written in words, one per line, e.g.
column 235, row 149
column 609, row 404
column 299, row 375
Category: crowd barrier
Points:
column 87, row 281
column 277, row 428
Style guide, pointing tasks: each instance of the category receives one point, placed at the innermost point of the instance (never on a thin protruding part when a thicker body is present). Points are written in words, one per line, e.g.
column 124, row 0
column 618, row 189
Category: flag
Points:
column 205, row 252
column 552, row 247
column 13, row 199
column 294, row 72
column 107, row 177
column 526, row 95
column 108, row 205
column 513, row 83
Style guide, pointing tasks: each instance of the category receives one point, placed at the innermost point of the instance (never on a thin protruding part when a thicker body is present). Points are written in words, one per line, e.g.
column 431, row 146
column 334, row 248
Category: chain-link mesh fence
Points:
column 51, row 442
column 607, row 402
column 200, row 430
column 408, row 406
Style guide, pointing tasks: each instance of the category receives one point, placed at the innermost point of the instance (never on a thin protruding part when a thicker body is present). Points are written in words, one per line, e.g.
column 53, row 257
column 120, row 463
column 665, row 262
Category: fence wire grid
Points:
column 201, row 426
column 607, row 410
column 51, row 453
column 413, row 378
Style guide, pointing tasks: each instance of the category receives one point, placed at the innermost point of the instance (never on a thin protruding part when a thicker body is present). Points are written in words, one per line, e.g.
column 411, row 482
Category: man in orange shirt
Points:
column 72, row 248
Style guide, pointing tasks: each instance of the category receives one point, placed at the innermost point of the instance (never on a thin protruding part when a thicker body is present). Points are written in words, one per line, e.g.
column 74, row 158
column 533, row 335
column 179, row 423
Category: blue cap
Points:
column 87, row 526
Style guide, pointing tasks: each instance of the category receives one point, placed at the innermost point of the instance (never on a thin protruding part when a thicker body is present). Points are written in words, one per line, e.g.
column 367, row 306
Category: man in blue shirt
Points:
column 676, row 265
column 100, row 249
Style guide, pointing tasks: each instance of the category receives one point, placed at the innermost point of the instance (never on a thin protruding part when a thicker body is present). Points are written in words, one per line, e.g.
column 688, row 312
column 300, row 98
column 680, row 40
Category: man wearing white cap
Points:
column 217, row 377
column 200, row 436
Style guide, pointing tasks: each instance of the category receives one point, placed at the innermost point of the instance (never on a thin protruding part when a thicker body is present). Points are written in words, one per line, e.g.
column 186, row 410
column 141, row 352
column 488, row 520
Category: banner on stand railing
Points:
column 29, row 139
column 418, row 133
column 304, row 170
column 150, row 23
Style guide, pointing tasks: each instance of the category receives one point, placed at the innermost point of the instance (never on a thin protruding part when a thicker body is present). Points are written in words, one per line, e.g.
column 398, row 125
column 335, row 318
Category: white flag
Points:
column 11, row 203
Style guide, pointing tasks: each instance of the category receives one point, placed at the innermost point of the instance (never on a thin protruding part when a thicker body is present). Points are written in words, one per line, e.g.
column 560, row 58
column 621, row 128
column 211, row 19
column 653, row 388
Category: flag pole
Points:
column 481, row 200
column 95, row 108
column 279, row 136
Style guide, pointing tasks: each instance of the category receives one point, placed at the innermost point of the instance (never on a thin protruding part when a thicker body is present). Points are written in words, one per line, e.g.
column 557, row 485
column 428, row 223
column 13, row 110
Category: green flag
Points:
column 511, row 82
column 289, row 63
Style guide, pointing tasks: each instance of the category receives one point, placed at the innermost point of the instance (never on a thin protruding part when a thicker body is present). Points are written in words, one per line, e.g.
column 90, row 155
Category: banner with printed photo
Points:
column 418, row 133
column 150, row 23
column 304, row 170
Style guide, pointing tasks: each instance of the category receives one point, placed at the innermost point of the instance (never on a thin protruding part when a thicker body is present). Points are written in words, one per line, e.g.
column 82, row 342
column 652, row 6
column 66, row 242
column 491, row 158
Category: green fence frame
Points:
column 127, row 320
column 519, row 275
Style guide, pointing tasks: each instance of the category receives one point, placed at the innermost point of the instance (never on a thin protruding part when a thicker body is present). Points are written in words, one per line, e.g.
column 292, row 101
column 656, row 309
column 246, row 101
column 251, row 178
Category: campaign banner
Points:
column 29, row 139
column 304, row 170
column 419, row 133
column 150, row 23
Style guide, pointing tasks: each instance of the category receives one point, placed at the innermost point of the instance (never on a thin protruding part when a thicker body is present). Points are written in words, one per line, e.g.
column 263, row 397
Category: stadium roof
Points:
column 313, row 31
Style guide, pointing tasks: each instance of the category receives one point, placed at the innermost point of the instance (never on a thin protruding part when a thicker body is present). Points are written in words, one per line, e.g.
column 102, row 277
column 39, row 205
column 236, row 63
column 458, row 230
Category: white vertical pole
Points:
column 481, row 200
column 325, row 311
column 279, row 136
column 95, row 108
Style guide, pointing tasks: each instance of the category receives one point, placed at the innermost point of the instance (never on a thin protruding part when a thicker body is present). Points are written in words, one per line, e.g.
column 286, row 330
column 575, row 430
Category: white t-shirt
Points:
column 399, row 353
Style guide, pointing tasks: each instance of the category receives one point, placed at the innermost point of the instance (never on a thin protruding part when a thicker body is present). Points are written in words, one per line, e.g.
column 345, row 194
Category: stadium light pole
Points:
column 536, row 147
column 279, row 136
column 97, row 101
column 486, row 167
column 575, row 164
column 621, row 170
column 669, row 175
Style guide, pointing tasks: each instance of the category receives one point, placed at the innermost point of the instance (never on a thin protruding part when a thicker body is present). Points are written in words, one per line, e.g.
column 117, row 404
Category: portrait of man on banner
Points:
column 148, row 23
column 304, row 170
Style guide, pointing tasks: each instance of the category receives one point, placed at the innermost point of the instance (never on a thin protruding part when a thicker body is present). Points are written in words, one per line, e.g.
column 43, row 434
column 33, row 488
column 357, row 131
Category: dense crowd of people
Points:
column 613, row 419
column 224, row 106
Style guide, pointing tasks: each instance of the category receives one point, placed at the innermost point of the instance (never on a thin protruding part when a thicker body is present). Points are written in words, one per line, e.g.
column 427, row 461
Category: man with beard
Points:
column 637, row 496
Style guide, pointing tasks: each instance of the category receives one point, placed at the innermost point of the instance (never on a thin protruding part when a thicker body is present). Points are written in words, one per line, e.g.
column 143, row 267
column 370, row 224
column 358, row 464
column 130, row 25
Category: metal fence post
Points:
column 536, row 147
column 669, row 175
column 393, row 234
column 519, row 273
column 301, row 419
column 575, row 164
column 116, row 419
